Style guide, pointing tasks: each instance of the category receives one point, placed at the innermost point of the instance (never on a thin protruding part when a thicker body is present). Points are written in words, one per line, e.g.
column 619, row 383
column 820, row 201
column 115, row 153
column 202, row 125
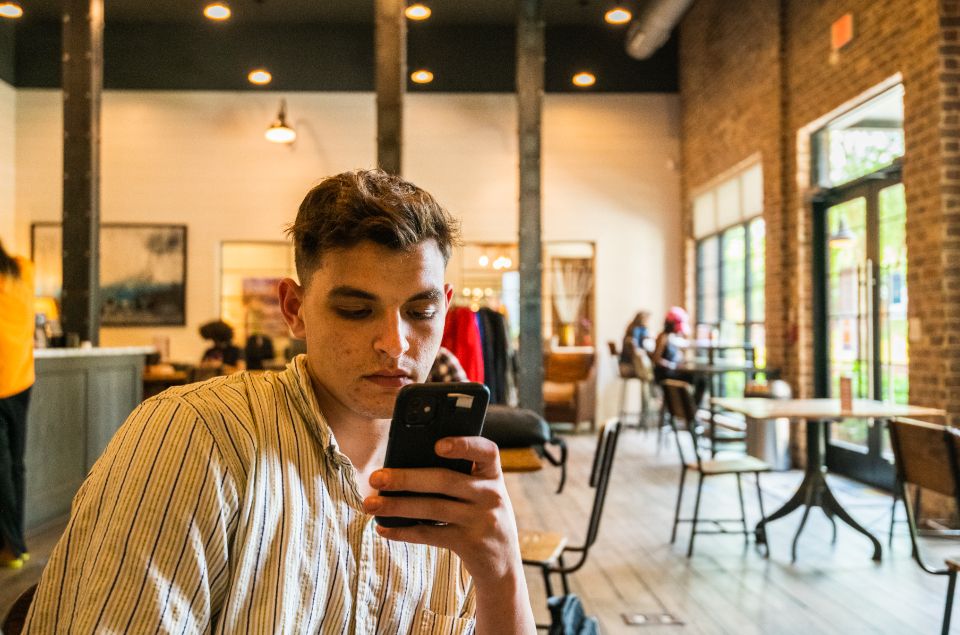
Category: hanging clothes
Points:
column 462, row 336
column 496, row 354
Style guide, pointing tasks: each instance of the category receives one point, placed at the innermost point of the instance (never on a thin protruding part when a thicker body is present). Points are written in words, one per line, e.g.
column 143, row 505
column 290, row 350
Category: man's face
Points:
column 372, row 318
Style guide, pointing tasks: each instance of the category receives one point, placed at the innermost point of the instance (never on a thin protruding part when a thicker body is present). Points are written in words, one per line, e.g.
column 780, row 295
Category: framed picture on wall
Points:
column 143, row 271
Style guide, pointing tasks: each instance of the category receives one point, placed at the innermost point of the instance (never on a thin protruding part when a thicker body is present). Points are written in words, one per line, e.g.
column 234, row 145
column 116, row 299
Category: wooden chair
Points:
column 680, row 407
column 927, row 457
column 545, row 549
column 17, row 614
column 569, row 387
column 627, row 373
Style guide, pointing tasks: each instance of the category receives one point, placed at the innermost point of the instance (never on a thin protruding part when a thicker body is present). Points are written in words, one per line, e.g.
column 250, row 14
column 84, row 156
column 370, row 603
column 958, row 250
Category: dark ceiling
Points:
column 585, row 12
column 327, row 45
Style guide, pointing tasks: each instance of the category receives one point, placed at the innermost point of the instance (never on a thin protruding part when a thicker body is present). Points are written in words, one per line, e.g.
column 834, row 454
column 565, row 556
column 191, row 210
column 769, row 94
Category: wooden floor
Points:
column 725, row 587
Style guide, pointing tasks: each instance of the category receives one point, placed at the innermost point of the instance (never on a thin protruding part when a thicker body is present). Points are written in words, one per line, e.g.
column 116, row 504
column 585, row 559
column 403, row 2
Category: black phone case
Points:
column 424, row 414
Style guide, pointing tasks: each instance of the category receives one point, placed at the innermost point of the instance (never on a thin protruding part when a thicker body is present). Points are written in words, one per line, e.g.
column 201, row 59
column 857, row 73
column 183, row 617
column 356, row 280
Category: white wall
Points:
column 7, row 137
column 199, row 158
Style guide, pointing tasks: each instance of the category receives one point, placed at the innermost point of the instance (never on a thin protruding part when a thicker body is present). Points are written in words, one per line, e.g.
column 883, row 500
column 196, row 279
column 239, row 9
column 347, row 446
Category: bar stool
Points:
column 627, row 373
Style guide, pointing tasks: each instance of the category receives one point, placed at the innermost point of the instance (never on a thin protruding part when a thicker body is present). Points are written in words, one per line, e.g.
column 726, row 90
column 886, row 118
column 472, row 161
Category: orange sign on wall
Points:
column 841, row 32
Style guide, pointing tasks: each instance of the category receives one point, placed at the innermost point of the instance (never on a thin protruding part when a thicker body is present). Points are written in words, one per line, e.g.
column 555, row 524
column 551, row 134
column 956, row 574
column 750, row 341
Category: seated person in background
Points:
column 223, row 354
column 245, row 504
column 668, row 353
column 634, row 358
column 447, row 368
column 259, row 349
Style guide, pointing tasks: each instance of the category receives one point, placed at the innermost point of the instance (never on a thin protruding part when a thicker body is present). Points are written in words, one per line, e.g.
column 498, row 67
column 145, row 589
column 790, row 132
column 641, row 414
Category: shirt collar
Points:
column 297, row 379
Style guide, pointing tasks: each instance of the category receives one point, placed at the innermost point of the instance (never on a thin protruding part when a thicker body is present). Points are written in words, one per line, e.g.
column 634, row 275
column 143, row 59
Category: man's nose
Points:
column 393, row 337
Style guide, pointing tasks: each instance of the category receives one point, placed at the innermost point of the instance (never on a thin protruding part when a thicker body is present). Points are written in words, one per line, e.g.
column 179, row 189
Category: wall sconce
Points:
column 279, row 131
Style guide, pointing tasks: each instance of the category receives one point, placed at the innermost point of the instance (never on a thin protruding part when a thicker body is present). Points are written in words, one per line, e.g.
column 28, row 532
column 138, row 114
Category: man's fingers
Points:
column 423, row 507
column 483, row 452
column 430, row 480
column 419, row 534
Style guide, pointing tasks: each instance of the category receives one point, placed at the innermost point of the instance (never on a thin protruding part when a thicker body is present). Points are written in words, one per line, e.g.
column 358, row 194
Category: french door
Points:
column 863, row 306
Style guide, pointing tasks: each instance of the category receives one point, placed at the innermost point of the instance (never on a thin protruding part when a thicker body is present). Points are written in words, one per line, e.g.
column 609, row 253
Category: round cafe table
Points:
column 817, row 413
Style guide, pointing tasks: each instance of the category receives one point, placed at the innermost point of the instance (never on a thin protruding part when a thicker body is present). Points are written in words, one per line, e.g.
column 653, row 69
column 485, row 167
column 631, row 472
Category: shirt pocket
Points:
column 426, row 622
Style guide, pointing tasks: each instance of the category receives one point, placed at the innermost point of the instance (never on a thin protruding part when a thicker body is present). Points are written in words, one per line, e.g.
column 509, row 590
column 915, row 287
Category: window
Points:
column 730, row 251
column 861, row 141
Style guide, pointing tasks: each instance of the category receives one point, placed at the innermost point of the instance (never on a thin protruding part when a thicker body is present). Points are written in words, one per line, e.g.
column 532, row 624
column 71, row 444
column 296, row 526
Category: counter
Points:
column 80, row 398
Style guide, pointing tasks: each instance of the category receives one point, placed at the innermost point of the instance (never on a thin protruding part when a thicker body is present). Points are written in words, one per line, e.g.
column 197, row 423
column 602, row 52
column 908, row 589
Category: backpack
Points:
column 567, row 617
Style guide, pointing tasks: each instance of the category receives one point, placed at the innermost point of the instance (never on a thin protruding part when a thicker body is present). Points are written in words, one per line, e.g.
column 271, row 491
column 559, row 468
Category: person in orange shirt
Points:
column 16, row 379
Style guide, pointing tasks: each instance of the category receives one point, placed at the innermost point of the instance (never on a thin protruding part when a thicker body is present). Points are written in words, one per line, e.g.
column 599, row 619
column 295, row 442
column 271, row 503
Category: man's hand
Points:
column 478, row 525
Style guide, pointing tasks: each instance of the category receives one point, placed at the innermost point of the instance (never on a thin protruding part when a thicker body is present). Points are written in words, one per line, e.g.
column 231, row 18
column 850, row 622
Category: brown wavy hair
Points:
column 8, row 266
column 351, row 207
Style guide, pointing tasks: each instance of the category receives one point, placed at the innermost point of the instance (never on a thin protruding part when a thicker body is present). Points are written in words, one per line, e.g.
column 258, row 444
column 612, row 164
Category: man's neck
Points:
column 362, row 440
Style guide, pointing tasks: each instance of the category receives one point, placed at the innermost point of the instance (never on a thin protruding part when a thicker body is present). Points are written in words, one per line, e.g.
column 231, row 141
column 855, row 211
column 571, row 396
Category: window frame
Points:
column 750, row 320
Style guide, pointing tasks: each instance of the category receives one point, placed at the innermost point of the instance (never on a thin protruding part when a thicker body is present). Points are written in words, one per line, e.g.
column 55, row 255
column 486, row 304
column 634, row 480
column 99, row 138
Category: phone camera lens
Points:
column 419, row 411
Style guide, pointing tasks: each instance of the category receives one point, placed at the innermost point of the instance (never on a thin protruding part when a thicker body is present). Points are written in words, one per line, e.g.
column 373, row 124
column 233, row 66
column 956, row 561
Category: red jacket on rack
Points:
column 462, row 336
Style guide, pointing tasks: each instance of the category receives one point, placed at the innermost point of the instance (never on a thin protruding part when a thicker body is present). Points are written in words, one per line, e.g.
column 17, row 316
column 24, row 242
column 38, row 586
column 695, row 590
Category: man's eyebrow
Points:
column 344, row 291
column 434, row 294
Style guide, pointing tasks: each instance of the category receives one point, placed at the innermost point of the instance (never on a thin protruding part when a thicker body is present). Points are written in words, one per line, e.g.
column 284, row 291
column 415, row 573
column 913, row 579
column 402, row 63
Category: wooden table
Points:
column 813, row 490
column 520, row 460
column 718, row 367
column 154, row 383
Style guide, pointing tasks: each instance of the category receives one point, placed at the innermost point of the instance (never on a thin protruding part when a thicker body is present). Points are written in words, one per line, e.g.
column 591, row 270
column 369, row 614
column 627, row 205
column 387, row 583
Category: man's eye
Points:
column 352, row 313
column 424, row 314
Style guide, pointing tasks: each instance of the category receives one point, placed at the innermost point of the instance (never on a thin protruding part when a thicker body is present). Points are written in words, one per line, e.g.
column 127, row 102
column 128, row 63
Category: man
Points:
column 245, row 504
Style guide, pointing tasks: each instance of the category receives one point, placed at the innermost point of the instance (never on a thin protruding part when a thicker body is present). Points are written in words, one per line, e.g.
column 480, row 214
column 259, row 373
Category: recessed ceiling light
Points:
column 260, row 77
column 421, row 76
column 417, row 11
column 217, row 11
column 10, row 10
column 584, row 79
column 618, row 15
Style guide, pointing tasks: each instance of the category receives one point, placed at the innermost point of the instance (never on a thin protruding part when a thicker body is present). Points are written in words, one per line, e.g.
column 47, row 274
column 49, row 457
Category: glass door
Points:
column 866, row 316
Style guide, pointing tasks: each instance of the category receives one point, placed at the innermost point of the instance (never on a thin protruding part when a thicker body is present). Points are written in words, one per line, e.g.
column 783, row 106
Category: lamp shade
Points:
column 843, row 237
column 279, row 131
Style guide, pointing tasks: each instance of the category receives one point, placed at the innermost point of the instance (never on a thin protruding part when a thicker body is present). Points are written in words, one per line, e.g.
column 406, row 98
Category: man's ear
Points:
column 291, row 305
column 448, row 291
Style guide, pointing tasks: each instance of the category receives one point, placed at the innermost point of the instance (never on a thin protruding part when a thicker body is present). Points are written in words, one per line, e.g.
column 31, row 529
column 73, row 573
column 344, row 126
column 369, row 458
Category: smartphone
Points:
column 424, row 414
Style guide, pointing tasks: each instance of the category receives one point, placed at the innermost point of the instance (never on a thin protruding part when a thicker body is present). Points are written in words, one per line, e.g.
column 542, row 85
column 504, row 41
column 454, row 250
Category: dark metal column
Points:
column 391, row 80
column 82, row 85
column 530, row 55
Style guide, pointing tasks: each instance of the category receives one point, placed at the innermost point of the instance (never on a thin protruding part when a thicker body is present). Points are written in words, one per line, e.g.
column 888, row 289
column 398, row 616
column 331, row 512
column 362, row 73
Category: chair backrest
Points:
column 926, row 455
column 613, row 349
column 568, row 367
column 678, row 398
column 17, row 613
column 600, row 474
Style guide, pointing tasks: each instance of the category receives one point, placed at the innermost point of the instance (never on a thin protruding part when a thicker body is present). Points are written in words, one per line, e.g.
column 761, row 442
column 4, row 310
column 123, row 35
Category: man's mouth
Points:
column 390, row 378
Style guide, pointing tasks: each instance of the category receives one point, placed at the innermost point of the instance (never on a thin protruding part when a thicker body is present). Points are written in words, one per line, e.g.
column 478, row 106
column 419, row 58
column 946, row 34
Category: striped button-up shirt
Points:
column 227, row 507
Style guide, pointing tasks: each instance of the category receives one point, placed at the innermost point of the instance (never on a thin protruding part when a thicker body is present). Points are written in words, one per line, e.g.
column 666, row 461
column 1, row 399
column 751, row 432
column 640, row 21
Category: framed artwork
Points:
column 143, row 271
column 261, row 302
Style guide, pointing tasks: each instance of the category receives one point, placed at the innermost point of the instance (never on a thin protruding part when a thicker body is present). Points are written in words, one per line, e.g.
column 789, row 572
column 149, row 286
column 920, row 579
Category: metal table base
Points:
column 814, row 492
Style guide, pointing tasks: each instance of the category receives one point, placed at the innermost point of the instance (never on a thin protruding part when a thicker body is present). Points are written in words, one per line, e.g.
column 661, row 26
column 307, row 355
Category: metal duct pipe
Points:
column 649, row 32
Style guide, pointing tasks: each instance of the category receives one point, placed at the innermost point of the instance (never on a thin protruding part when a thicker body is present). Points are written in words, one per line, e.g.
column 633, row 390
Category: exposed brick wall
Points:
column 730, row 100
column 755, row 78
